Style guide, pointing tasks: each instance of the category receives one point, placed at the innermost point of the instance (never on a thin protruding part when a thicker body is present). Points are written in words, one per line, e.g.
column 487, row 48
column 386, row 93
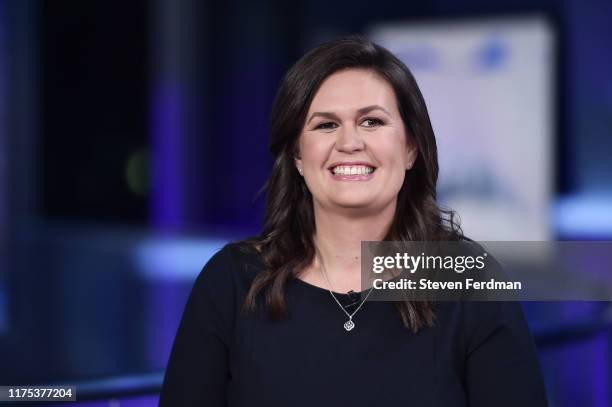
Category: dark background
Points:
column 133, row 137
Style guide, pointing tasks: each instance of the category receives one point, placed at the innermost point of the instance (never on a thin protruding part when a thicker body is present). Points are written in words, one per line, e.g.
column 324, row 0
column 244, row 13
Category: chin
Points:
column 354, row 203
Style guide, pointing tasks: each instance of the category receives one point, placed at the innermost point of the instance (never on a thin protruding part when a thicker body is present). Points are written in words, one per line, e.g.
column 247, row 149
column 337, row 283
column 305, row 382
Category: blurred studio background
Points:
column 133, row 145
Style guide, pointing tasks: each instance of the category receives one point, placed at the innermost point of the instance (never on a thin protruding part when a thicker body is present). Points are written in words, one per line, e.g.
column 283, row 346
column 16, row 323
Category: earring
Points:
column 300, row 171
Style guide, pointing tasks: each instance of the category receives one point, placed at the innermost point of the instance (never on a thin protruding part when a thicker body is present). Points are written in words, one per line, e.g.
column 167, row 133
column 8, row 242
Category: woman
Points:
column 278, row 320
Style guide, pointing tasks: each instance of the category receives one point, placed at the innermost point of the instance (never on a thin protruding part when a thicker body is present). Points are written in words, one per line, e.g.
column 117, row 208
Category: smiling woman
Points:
column 280, row 319
column 344, row 141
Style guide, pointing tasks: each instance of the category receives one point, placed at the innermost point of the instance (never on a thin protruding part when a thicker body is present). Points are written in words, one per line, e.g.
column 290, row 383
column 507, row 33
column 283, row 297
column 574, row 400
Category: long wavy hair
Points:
column 286, row 241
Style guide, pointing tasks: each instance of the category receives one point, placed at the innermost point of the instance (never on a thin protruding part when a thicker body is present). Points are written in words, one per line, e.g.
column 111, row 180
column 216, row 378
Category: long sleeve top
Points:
column 477, row 354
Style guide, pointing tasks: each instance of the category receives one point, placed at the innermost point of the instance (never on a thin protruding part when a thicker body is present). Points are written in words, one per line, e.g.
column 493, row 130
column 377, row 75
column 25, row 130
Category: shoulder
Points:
column 233, row 266
column 491, row 314
column 487, row 322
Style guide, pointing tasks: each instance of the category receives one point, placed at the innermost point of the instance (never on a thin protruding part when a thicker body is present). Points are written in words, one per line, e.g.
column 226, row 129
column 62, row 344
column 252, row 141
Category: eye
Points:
column 326, row 126
column 372, row 122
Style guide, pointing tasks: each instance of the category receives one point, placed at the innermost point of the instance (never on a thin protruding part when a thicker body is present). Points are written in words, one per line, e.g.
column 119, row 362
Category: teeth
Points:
column 352, row 170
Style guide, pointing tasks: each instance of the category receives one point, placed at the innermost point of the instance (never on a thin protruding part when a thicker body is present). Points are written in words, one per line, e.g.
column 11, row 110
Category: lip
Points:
column 360, row 177
column 355, row 177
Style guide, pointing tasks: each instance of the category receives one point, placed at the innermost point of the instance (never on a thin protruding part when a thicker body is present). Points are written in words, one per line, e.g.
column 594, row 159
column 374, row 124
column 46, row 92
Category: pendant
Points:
column 348, row 325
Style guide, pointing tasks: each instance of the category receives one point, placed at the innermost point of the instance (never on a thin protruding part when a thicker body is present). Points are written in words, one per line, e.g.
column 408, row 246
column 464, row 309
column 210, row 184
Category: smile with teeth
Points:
column 352, row 170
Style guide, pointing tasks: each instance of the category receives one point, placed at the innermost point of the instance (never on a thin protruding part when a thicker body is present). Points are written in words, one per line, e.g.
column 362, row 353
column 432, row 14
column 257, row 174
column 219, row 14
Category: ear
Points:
column 298, row 162
column 412, row 152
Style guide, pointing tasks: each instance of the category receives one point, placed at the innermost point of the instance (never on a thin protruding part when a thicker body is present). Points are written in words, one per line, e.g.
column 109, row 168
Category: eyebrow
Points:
column 363, row 110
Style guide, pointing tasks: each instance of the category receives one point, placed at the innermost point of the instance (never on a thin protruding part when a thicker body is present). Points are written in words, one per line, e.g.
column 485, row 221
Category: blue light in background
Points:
column 175, row 259
column 166, row 179
column 584, row 216
column 492, row 55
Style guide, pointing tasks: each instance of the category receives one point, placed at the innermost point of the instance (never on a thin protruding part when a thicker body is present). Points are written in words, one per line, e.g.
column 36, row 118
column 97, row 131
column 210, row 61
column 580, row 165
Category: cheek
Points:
column 313, row 152
column 394, row 150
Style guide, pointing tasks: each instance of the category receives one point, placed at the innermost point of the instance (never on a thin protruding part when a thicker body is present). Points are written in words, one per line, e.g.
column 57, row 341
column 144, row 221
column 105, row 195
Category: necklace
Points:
column 348, row 325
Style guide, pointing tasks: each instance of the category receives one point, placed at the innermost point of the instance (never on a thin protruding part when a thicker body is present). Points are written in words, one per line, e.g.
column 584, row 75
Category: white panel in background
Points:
column 489, row 89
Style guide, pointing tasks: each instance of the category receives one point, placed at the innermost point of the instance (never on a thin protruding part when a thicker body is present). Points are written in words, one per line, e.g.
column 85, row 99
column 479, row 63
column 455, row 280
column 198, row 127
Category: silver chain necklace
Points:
column 348, row 325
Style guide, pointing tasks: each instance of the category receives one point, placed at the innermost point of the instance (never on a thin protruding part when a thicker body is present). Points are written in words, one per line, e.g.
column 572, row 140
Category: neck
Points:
column 338, row 238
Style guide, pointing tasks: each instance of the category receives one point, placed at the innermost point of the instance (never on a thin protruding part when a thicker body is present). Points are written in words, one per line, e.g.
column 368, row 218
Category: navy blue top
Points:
column 477, row 354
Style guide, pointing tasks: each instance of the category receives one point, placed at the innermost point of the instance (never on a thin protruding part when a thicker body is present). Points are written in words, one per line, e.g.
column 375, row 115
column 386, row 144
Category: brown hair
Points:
column 286, row 241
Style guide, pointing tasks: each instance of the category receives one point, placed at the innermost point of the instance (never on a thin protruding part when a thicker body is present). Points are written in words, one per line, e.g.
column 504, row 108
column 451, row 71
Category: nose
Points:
column 348, row 140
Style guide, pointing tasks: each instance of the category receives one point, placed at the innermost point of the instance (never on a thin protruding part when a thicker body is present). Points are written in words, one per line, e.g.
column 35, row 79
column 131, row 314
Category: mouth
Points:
column 352, row 172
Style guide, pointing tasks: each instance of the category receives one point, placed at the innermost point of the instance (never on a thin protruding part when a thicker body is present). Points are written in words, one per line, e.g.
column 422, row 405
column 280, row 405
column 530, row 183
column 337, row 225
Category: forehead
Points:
column 352, row 89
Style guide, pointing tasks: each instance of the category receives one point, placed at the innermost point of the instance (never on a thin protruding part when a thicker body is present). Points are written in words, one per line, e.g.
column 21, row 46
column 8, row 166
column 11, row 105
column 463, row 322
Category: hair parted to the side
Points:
column 286, row 242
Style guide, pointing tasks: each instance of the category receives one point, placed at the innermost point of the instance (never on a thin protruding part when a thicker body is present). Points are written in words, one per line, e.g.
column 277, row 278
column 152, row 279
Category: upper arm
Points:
column 502, row 367
column 197, row 370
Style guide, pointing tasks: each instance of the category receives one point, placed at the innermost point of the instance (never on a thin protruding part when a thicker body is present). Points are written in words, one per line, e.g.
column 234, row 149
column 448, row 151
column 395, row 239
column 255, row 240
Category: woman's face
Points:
column 353, row 151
